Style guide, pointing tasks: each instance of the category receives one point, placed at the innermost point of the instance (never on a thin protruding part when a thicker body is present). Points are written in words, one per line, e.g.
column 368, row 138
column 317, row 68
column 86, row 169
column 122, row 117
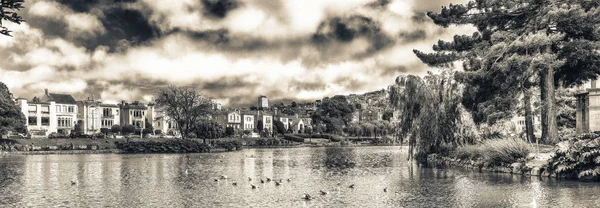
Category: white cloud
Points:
column 84, row 24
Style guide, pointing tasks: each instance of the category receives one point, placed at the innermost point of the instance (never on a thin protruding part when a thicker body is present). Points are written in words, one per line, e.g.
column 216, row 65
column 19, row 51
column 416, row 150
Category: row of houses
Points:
column 248, row 120
column 59, row 113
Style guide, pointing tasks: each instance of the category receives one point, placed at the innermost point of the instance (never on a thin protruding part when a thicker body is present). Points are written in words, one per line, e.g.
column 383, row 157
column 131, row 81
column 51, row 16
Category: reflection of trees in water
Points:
column 340, row 159
column 11, row 175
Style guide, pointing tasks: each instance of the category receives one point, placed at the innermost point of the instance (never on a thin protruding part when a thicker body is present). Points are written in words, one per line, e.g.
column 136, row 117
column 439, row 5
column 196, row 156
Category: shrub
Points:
column 115, row 129
column 495, row 152
column 147, row 131
column 104, row 130
column 577, row 158
column 158, row 132
column 171, row 146
column 128, row 129
column 293, row 138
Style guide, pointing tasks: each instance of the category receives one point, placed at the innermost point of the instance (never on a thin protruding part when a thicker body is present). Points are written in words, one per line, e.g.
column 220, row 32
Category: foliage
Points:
column 78, row 128
column 170, row 146
column 128, row 129
column 149, row 125
column 279, row 127
column 294, row 138
column 430, row 112
column 229, row 131
column 517, row 46
column 387, row 115
column 495, row 152
column 577, row 158
column 11, row 118
column 229, row 145
column 8, row 12
column 334, row 113
column 208, row 130
column 115, row 129
column 259, row 125
column 158, row 132
column 105, row 130
column 147, row 131
column 566, row 104
column 185, row 106
column 272, row 142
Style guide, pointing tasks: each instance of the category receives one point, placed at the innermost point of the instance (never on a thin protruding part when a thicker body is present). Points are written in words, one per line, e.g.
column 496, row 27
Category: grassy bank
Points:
column 495, row 152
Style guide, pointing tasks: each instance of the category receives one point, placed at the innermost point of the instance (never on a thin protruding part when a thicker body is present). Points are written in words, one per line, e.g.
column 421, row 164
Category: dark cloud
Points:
column 227, row 83
column 342, row 30
column 412, row 36
column 420, row 17
column 88, row 5
column 125, row 24
column 379, row 4
column 219, row 8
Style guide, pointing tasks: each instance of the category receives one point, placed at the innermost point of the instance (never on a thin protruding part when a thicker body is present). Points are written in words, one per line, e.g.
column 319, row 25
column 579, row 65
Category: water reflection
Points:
column 174, row 180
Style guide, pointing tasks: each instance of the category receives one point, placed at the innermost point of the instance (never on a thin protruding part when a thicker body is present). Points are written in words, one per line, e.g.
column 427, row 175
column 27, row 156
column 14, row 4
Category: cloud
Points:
column 230, row 50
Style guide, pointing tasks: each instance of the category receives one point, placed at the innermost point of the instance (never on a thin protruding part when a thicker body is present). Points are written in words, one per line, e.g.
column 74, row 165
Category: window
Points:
column 32, row 109
column 71, row 109
column 58, row 108
column 45, row 109
column 45, row 121
column 64, row 108
column 32, row 120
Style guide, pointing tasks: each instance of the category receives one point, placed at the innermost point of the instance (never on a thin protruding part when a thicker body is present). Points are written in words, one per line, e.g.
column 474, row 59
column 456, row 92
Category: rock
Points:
column 517, row 167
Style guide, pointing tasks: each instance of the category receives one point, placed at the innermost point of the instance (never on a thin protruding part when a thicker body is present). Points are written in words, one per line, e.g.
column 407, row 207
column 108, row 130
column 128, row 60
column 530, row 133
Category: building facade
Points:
column 263, row 101
column 133, row 114
column 248, row 121
column 53, row 113
column 588, row 107
column 234, row 119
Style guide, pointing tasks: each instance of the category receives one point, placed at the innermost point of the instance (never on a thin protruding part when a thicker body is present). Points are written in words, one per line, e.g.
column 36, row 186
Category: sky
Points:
column 229, row 50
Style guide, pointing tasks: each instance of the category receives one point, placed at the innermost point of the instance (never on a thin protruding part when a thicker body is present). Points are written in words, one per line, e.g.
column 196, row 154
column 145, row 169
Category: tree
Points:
column 104, row 131
column 259, row 125
column 294, row 104
column 185, row 106
column 229, row 131
column 147, row 131
column 78, row 128
column 209, row 130
column 8, row 12
column 279, row 127
column 253, row 108
column 518, row 46
column 11, row 117
column 128, row 129
column 149, row 125
column 115, row 129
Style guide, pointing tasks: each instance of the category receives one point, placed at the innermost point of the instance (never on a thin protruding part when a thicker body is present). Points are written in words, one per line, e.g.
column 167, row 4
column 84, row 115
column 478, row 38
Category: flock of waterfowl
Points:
column 279, row 182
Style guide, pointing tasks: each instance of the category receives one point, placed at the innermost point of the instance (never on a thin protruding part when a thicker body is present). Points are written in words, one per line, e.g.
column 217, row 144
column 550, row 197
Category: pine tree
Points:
column 519, row 45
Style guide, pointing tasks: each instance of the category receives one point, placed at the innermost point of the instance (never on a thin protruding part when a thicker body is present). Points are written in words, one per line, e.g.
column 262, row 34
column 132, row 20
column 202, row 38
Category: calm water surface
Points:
column 176, row 180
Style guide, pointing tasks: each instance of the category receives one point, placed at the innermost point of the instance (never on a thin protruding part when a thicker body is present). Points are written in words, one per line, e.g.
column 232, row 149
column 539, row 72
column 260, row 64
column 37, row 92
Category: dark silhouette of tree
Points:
column 11, row 117
column 260, row 125
column 115, row 129
column 8, row 12
column 185, row 106
column 279, row 127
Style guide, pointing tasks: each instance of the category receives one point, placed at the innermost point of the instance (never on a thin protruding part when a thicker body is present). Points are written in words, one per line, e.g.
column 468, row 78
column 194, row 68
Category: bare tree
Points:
column 184, row 105
column 8, row 12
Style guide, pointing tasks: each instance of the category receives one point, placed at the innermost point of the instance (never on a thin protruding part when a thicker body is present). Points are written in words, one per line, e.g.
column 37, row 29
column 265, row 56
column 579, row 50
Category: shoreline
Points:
column 534, row 167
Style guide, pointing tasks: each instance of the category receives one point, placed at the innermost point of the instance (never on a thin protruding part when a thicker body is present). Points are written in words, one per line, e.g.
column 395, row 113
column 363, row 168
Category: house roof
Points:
column 61, row 98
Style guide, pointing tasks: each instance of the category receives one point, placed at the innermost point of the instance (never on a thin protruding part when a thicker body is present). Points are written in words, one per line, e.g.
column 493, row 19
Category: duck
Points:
column 223, row 177
column 268, row 179
column 249, row 179
column 73, row 183
column 289, row 180
column 307, row 196
column 351, row 186
column 323, row 192
column 385, row 189
column 216, row 180
column 262, row 181
column 234, row 183
column 253, row 186
column 339, row 183
column 277, row 183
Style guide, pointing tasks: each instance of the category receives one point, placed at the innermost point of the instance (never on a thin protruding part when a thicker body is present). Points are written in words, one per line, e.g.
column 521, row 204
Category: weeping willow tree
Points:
column 430, row 113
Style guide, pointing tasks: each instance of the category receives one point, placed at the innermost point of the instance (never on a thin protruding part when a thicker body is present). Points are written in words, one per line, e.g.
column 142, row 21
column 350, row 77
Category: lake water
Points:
column 177, row 180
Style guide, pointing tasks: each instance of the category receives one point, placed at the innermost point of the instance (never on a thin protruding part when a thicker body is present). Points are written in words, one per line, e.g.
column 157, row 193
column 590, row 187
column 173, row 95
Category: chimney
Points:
column 122, row 102
column 88, row 98
column 46, row 91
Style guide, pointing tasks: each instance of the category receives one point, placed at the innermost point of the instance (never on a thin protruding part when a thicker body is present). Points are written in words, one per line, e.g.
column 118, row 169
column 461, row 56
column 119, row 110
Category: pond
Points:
column 188, row 180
